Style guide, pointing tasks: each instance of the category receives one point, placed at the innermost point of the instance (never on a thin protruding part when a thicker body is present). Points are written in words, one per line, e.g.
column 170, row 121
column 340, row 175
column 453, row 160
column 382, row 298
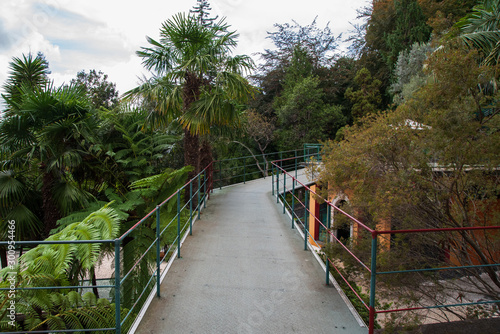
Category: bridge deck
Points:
column 244, row 270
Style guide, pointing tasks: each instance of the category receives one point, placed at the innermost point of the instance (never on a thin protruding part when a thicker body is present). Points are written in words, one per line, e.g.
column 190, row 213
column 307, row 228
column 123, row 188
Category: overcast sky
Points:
column 80, row 35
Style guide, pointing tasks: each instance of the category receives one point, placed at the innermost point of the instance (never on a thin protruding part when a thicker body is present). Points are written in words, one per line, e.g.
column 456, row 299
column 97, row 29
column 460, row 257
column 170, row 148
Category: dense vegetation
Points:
column 418, row 89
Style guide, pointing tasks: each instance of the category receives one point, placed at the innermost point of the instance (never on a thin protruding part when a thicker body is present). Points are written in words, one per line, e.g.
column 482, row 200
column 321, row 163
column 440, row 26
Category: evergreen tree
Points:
column 409, row 27
column 302, row 111
column 367, row 98
column 201, row 10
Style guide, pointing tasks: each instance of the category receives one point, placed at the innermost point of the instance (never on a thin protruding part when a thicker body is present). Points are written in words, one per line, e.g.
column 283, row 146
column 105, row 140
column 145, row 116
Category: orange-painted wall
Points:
column 314, row 212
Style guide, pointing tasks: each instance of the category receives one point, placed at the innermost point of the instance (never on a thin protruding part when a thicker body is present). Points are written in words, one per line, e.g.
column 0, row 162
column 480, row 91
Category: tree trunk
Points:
column 206, row 157
column 191, row 152
column 190, row 94
column 93, row 279
column 3, row 257
column 51, row 213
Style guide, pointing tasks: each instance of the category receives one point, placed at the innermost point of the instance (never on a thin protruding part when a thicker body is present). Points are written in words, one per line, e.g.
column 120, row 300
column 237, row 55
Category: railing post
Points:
column 284, row 192
column 295, row 160
column 220, row 174
column 272, row 177
column 199, row 191
column 264, row 165
column 190, row 208
column 158, row 259
column 178, row 224
column 204, row 188
column 306, row 219
column 277, row 184
column 293, row 205
column 328, row 224
column 373, row 281
column 118, row 320
column 244, row 171
column 211, row 176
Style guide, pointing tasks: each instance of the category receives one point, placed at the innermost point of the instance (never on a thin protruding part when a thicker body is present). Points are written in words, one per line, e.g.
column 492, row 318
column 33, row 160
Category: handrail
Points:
column 278, row 180
column 199, row 189
column 201, row 194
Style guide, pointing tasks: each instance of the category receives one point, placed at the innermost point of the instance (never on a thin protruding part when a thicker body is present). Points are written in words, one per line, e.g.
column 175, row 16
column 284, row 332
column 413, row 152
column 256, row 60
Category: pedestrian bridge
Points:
column 244, row 270
column 220, row 255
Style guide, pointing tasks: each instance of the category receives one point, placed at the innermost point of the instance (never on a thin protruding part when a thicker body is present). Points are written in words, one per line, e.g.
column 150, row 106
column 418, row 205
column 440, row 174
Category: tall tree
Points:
column 366, row 98
column 37, row 132
column 302, row 111
column 441, row 170
column 409, row 27
column 195, row 80
column 320, row 44
column 101, row 92
column 41, row 132
column 202, row 11
column 391, row 27
column 26, row 74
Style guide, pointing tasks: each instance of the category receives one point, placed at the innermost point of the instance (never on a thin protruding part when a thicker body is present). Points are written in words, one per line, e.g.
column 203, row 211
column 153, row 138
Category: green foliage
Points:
column 202, row 11
column 319, row 44
column 196, row 82
column 37, row 131
column 192, row 63
column 301, row 111
column 409, row 27
column 50, row 265
column 25, row 74
column 100, row 92
column 431, row 163
column 480, row 30
column 366, row 99
column 303, row 115
column 408, row 73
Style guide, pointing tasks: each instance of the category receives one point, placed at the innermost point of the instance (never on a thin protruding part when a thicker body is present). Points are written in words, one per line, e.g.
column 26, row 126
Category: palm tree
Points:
column 37, row 137
column 481, row 30
column 195, row 82
column 27, row 73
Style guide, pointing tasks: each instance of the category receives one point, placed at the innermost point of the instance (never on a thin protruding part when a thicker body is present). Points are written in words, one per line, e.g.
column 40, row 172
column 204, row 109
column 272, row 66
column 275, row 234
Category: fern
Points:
column 52, row 265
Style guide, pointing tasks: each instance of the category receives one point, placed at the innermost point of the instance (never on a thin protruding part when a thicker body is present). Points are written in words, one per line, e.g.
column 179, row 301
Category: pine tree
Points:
column 201, row 10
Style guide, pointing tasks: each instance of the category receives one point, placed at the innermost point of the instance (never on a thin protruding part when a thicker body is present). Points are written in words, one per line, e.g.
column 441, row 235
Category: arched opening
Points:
column 342, row 225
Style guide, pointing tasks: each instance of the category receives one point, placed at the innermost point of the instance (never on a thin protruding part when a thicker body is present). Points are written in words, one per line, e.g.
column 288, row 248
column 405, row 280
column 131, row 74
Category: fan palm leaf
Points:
column 191, row 63
column 481, row 30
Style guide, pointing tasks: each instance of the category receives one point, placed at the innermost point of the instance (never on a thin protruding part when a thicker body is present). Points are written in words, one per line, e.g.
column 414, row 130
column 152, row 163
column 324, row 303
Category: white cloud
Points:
column 80, row 35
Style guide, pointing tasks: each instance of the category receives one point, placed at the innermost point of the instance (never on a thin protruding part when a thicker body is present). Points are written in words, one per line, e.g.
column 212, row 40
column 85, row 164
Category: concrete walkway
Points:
column 244, row 270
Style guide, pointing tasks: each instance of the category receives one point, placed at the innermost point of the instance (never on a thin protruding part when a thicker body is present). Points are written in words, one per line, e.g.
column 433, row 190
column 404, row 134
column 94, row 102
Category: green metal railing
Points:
column 281, row 189
column 247, row 168
column 188, row 202
column 186, row 213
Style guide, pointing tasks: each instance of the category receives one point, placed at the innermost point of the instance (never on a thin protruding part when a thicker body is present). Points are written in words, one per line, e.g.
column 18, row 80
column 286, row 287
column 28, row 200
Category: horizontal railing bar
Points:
column 66, row 330
column 57, row 242
column 326, row 201
column 59, row 287
column 446, row 229
column 438, row 306
column 436, row 269
column 348, row 284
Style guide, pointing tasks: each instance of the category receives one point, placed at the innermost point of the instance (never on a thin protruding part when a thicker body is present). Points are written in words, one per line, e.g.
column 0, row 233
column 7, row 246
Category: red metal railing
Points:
column 279, row 178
